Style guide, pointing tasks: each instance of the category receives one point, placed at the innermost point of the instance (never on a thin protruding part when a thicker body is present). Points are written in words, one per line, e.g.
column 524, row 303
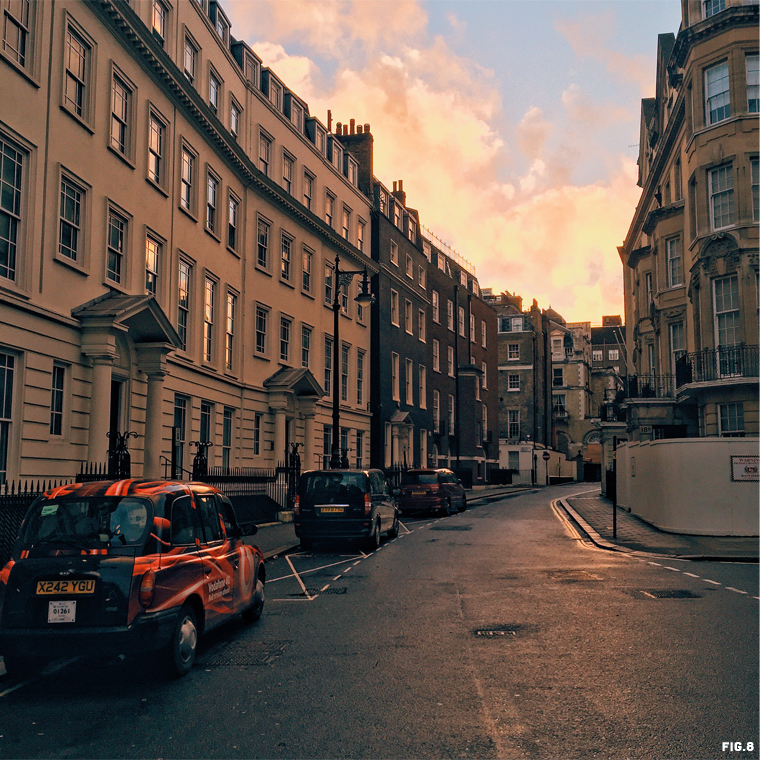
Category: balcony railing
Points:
column 650, row 386
column 717, row 364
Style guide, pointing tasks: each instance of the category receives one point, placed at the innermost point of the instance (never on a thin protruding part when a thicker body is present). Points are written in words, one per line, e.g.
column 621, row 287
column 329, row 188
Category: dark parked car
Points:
column 431, row 491
column 125, row 567
column 344, row 504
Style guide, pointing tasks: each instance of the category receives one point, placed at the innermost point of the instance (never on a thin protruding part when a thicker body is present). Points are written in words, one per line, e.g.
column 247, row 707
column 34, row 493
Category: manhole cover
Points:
column 452, row 527
column 572, row 576
column 246, row 653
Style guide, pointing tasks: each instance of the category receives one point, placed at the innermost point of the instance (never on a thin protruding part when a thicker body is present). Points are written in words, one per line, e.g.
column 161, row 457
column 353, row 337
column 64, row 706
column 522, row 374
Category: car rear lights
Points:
column 367, row 504
column 297, row 505
column 147, row 589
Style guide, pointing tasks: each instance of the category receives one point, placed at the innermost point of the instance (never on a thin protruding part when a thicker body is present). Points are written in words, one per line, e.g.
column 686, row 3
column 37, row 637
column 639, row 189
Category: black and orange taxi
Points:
column 126, row 567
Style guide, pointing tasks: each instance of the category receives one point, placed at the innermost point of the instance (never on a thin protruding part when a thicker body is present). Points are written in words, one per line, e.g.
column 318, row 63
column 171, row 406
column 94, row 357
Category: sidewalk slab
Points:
column 634, row 534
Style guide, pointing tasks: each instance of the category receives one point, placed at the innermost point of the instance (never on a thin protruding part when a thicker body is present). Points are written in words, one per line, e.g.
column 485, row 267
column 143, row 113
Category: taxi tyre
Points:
column 254, row 612
column 372, row 542
column 181, row 651
column 463, row 508
column 447, row 509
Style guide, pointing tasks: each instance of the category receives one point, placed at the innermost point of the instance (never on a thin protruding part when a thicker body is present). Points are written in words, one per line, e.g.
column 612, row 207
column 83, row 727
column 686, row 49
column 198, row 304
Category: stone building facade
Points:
column 690, row 257
column 170, row 220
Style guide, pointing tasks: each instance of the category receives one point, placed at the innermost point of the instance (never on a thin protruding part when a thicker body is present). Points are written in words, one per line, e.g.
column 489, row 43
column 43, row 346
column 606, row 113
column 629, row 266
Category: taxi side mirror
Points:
column 249, row 529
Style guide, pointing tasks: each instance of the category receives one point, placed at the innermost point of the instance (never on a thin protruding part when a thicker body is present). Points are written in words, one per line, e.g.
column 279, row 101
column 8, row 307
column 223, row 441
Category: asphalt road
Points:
column 493, row 633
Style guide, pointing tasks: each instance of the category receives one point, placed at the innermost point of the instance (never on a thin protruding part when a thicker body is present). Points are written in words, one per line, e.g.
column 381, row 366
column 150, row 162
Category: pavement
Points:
column 593, row 515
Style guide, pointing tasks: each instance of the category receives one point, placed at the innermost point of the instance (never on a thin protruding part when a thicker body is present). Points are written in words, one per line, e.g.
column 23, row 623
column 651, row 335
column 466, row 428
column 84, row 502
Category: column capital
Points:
column 151, row 358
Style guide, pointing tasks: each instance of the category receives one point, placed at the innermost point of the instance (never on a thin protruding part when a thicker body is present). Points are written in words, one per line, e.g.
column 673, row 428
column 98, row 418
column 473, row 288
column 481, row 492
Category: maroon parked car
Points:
column 437, row 491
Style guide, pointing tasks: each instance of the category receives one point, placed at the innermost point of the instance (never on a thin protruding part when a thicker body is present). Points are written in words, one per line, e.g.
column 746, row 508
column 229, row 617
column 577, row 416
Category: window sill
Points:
column 19, row 69
column 287, row 283
column 233, row 252
column 109, row 283
column 157, row 187
column 78, row 119
column 212, row 234
column 307, row 294
column 263, row 270
column 188, row 213
column 128, row 161
column 71, row 264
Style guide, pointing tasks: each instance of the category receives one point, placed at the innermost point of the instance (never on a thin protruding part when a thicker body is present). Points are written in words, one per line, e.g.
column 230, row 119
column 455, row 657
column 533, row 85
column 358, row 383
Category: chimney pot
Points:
column 395, row 186
column 401, row 184
column 329, row 121
column 353, row 125
column 338, row 129
column 366, row 127
column 359, row 129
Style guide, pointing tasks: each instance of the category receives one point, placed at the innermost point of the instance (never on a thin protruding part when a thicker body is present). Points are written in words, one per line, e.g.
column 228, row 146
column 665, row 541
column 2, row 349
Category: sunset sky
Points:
column 512, row 124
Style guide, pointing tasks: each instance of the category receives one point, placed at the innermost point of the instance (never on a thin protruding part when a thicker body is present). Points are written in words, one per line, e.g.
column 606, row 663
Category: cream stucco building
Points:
column 170, row 216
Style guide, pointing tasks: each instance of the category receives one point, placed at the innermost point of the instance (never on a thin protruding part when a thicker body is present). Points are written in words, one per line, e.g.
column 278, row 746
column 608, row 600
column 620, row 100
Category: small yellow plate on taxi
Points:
column 330, row 510
column 418, row 493
column 65, row 587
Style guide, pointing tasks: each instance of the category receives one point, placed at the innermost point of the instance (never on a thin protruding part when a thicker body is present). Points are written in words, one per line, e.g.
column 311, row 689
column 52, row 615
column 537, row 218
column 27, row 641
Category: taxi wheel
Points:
column 464, row 504
column 253, row 613
column 447, row 511
column 22, row 667
column 184, row 644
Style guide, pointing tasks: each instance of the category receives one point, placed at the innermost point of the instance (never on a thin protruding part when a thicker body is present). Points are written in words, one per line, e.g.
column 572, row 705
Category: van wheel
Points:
column 393, row 532
column 253, row 613
column 373, row 541
column 448, row 508
column 183, row 646
column 22, row 667
column 464, row 504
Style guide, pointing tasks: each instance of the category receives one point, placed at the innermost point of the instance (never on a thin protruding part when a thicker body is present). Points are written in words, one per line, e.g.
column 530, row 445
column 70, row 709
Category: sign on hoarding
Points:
column 744, row 468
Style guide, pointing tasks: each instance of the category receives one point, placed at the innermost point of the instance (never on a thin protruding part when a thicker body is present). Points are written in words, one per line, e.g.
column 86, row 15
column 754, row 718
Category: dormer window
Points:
column 383, row 202
column 159, row 21
column 353, row 172
column 412, row 228
column 252, row 71
column 397, row 214
column 337, row 155
column 222, row 28
column 320, row 140
column 275, row 94
column 214, row 86
column 296, row 115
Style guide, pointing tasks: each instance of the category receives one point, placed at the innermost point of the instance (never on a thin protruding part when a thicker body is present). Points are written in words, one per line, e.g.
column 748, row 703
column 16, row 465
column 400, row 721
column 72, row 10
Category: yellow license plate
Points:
column 418, row 493
column 65, row 587
column 331, row 510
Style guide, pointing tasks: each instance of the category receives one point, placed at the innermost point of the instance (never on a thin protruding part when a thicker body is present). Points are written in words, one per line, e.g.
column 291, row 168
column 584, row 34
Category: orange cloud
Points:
column 438, row 124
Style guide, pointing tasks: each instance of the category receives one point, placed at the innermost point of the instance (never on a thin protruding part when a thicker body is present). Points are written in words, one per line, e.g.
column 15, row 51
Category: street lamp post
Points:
column 342, row 279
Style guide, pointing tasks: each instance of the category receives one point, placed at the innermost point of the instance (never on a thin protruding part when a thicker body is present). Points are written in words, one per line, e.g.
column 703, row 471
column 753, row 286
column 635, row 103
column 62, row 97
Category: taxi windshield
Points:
column 88, row 523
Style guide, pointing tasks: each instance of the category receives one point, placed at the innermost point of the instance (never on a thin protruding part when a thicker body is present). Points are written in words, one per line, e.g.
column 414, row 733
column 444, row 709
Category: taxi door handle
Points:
column 207, row 570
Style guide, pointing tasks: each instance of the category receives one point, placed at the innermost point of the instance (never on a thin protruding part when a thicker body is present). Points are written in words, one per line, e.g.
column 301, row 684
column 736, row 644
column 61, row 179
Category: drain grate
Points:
column 670, row 593
column 572, row 576
column 506, row 630
column 245, row 653
column 489, row 633
column 451, row 527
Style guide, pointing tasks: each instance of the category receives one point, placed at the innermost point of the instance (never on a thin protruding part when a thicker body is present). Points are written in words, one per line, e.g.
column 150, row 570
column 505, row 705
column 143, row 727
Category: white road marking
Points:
column 674, row 569
column 313, row 569
column 325, row 587
column 691, row 575
column 298, row 578
column 655, row 563
column 715, row 583
column 356, row 563
column 404, row 527
column 738, row 591
column 337, row 576
column 347, row 569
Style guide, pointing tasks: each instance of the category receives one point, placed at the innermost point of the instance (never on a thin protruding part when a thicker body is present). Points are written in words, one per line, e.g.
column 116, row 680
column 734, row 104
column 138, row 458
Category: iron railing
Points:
column 15, row 498
column 650, row 386
column 717, row 364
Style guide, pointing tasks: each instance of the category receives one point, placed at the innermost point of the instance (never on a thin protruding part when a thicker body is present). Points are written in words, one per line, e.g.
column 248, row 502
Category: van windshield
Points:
column 87, row 523
column 419, row 478
column 332, row 486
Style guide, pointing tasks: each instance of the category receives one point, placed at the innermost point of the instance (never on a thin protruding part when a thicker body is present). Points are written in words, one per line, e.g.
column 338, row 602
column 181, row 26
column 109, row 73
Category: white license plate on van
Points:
column 62, row 612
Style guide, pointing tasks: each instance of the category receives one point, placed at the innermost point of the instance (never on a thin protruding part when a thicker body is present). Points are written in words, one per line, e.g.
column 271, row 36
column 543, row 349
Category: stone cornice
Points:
column 129, row 28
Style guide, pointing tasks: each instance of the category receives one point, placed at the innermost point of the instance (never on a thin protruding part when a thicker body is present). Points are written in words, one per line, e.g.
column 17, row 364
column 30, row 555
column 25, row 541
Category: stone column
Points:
column 394, row 445
column 151, row 358
column 278, row 403
column 100, row 408
column 308, row 408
